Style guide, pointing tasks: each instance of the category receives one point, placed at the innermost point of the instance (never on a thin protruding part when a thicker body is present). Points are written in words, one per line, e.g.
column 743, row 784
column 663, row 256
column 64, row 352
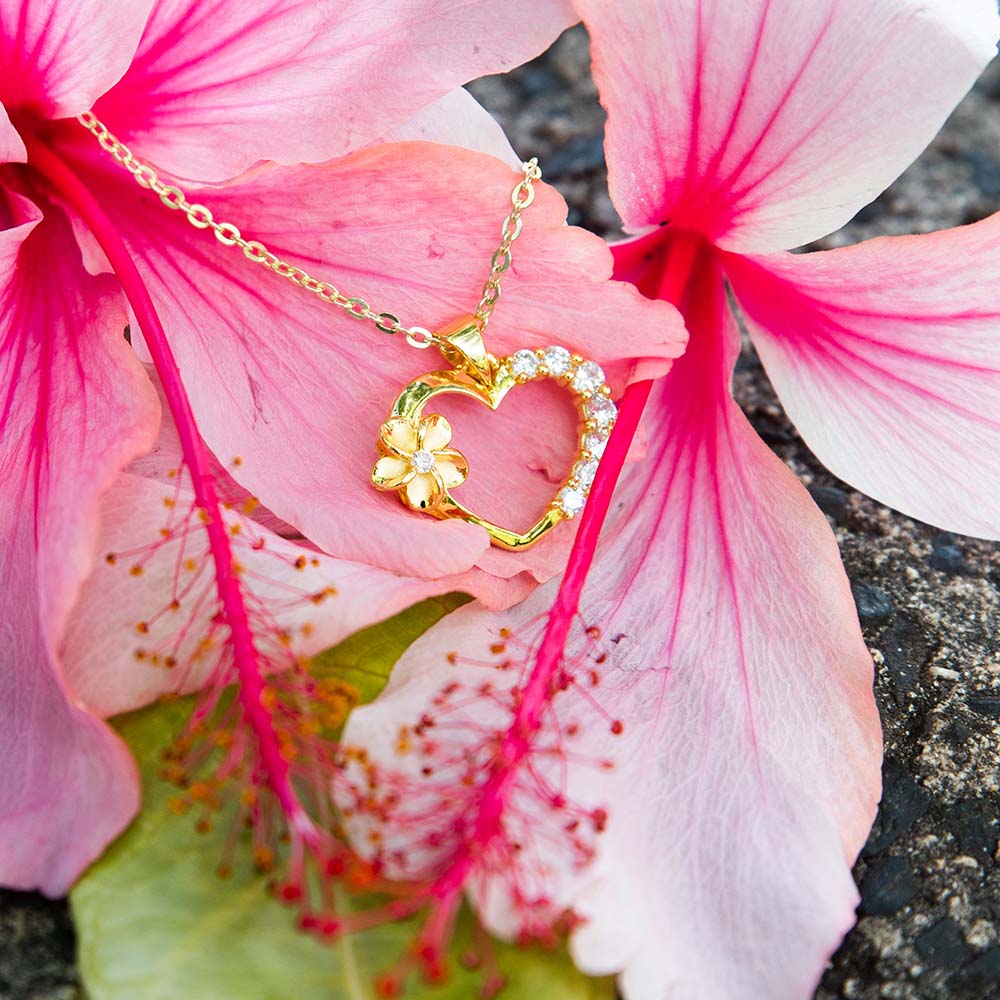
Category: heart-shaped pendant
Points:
column 417, row 462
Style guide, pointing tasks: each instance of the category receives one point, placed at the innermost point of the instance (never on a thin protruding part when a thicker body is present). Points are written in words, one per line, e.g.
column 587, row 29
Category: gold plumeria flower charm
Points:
column 415, row 457
column 417, row 461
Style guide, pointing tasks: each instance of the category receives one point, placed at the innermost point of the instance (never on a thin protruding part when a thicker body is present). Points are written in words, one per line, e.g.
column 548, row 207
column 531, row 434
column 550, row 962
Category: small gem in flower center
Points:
column 422, row 461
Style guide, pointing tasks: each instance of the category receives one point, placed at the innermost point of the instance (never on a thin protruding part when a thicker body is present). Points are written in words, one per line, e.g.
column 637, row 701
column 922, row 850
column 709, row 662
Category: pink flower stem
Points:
column 517, row 740
column 245, row 655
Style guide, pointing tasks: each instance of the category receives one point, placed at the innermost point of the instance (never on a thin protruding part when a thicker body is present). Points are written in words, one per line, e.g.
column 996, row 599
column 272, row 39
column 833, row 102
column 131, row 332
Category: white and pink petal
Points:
column 769, row 123
column 124, row 627
column 748, row 771
column 57, row 58
column 75, row 406
column 886, row 356
column 219, row 85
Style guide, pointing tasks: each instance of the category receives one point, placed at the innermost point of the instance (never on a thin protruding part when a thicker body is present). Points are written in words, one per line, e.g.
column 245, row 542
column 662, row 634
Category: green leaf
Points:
column 154, row 921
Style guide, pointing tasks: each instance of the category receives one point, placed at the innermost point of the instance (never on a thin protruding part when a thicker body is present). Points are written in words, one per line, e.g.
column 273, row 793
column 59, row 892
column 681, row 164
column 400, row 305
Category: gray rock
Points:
column 886, row 887
column 942, row 944
column 36, row 949
column 874, row 605
column 832, row 501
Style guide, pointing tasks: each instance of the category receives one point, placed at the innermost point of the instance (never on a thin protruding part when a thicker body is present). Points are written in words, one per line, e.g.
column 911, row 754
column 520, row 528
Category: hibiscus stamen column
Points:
column 516, row 743
column 251, row 687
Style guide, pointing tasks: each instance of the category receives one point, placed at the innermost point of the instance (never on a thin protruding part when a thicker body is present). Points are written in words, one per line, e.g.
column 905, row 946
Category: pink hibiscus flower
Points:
column 734, row 690
column 207, row 91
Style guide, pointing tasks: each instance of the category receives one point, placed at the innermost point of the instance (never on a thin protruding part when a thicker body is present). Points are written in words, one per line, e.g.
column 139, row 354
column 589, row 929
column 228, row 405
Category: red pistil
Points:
column 241, row 638
column 517, row 741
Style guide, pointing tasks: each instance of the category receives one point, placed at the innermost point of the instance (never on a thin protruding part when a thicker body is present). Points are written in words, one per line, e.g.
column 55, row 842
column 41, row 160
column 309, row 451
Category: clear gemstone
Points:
column 585, row 471
column 571, row 500
column 594, row 442
column 524, row 363
column 422, row 461
column 557, row 360
column 588, row 377
column 601, row 410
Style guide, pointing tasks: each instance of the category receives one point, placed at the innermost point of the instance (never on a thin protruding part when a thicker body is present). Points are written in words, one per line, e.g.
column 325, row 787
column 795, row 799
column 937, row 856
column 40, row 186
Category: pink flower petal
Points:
column 217, row 86
column 11, row 145
column 57, row 58
column 272, row 370
column 748, row 771
column 101, row 640
column 74, row 408
column 887, row 358
column 772, row 122
column 457, row 119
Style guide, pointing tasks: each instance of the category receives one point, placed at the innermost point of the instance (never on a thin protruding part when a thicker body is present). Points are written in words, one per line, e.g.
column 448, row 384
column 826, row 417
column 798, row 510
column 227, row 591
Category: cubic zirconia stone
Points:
column 594, row 442
column 588, row 377
column 601, row 410
column 422, row 461
column 585, row 471
column 524, row 364
column 571, row 500
column 557, row 360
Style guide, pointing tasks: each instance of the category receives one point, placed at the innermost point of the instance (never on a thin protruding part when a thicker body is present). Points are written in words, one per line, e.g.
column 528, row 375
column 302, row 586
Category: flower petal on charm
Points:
column 420, row 490
column 435, row 432
column 391, row 472
column 400, row 435
column 452, row 467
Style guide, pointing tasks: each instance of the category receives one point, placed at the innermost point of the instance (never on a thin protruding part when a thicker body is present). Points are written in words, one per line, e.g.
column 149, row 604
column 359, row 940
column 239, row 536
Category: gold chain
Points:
column 520, row 198
column 256, row 252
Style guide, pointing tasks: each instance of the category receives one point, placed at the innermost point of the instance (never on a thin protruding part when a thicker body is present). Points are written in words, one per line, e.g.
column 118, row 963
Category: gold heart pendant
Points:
column 417, row 462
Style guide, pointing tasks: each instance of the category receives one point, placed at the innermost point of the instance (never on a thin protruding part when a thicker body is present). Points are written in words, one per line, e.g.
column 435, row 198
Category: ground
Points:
column 929, row 603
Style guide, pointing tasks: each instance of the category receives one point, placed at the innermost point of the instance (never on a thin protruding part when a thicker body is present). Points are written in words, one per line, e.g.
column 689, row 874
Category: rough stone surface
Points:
column 36, row 949
column 929, row 604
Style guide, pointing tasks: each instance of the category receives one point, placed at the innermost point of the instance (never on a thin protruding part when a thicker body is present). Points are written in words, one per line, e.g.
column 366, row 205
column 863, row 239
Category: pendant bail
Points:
column 463, row 346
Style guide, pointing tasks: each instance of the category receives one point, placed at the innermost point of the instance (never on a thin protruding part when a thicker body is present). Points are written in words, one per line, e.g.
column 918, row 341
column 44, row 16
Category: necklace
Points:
column 415, row 459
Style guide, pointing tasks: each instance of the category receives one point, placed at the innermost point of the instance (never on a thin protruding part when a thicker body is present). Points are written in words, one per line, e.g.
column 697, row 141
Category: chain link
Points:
column 200, row 216
column 520, row 198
